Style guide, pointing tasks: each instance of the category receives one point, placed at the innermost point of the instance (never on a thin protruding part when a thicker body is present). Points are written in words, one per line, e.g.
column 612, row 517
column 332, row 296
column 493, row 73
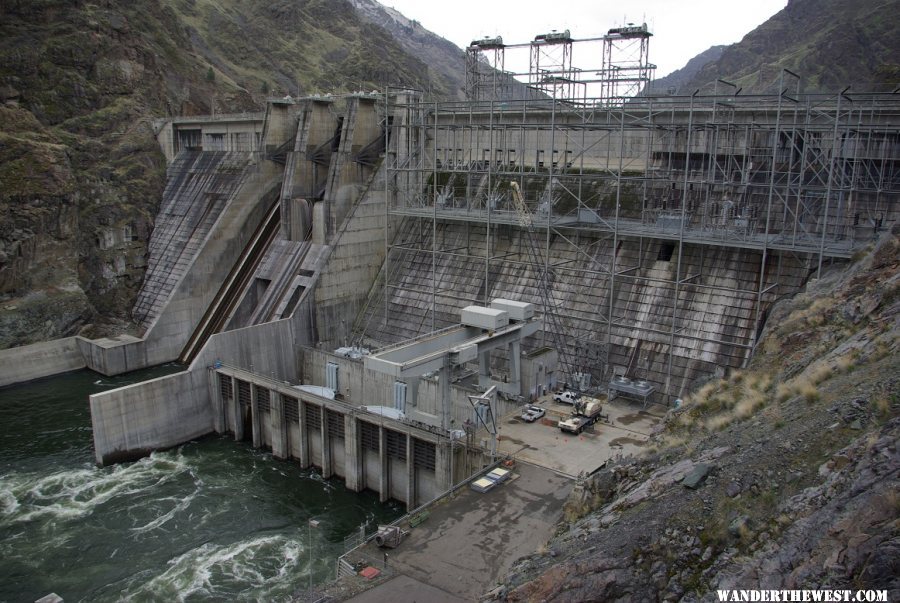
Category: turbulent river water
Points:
column 210, row 520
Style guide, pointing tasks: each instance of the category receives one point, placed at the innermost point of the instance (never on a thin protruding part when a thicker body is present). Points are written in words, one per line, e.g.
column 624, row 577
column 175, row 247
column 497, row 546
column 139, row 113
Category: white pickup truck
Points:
column 532, row 413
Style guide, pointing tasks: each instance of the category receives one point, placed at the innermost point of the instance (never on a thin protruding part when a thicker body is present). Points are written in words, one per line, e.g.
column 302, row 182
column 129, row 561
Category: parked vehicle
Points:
column 566, row 397
column 585, row 412
column 531, row 413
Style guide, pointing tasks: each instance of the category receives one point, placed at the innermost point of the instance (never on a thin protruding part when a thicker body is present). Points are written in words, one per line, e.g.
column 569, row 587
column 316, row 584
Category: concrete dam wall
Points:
column 379, row 240
column 193, row 249
column 199, row 184
column 707, row 316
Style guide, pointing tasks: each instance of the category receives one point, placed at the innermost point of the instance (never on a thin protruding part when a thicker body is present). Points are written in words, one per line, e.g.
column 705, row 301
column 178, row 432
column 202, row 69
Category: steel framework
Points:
column 624, row 69
column 669, row 224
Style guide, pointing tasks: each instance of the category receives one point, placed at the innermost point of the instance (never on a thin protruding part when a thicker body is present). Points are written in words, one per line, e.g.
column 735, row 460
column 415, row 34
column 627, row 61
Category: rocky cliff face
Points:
column 831, row 44
column 80, row 172
column 446, row 62
column 795, row 459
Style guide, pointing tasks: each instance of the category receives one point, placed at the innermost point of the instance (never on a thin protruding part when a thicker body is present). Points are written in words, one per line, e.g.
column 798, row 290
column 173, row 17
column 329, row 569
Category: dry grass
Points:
column 772, row 413
column 882, row 349
column 808, row 391
column 719, row 421
column 892, row 498
column 882, row 406
column 814, row 314
column 784, row 391
column 805, row 385
column 819, row 373
column 760, row 381
column 847, row 362
column 802, row 386
column 671, row 440
column 703, row 395
column 717, row 405
column 749, row 403
column 745, row 533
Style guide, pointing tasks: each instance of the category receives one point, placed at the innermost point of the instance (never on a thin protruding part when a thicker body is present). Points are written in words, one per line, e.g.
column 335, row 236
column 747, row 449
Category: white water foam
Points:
column 8, row 501
column 75, row 493
column 180, row 505
column 253, row 568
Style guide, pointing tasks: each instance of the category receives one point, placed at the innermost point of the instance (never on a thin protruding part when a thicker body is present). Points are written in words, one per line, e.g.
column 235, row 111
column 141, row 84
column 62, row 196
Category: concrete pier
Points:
column 398, row 460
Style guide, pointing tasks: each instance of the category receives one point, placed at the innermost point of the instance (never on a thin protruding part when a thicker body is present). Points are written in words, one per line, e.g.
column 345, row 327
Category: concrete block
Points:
column 132, row 421
column 517, row 310
column 484, row 318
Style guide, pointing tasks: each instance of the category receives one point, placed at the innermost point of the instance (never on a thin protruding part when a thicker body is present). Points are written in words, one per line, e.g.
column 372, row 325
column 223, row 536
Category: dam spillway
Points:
column 198, row 187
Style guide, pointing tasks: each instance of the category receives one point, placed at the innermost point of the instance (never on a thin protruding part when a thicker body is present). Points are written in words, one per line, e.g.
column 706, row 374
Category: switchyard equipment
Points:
column 638, row 389
column 389, row 537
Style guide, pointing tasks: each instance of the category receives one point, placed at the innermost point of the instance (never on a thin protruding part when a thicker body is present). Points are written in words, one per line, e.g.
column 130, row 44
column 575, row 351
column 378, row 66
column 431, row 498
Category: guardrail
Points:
column 407, row 342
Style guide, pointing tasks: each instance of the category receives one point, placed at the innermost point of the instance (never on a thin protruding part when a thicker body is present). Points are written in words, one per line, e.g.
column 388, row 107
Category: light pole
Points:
column 313, row 523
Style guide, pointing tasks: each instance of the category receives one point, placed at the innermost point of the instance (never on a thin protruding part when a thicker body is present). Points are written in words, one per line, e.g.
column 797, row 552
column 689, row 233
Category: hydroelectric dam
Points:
column 368, row 283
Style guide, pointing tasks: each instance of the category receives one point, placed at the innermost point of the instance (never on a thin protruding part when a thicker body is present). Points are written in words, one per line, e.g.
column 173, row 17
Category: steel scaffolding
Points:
column 624, row 69
column 668, row 225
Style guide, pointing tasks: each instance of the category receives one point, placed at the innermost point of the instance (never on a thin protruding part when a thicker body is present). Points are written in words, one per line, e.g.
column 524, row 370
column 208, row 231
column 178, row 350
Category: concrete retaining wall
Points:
column 269, row 349
column 40, row 360
column 132, row 421
column 357, row 256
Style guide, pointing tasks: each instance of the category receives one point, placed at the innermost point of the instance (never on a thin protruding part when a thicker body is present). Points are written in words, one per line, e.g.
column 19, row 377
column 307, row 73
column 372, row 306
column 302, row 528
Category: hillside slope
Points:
column 80, row 172
column 445, row 60
column 679, row 79
column 831, row 44
column 801, row 463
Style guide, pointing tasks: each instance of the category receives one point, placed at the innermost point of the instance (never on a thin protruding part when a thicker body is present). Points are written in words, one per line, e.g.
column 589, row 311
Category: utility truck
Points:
column 566, row 397
column 586, row 411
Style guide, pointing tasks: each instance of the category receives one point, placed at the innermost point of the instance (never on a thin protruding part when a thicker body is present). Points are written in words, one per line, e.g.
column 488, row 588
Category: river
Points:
column 210, row 520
